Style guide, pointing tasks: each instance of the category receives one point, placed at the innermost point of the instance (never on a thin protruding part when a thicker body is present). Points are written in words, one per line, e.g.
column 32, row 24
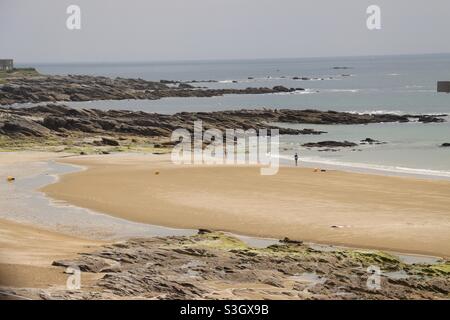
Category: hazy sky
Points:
column 145, row 30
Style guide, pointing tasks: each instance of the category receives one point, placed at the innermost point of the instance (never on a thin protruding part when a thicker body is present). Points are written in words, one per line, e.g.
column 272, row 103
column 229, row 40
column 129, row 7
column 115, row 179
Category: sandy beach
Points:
column 114, row 243
column 319, row 168
column 27, row 251
column 27, row 254
column 341, row 208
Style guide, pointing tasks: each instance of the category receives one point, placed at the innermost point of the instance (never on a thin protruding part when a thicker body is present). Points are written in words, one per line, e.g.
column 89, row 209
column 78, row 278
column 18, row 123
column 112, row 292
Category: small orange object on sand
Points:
column 10, row 179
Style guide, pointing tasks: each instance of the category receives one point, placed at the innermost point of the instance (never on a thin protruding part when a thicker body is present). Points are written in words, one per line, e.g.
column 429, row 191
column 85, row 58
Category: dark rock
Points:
column 204, row 231
column 341, row 68
column 290, row 241
column 330, row 144
column 54, row 123
column 12, row 125
column 185, row 86
column 371, row 141
column 429, row 119
column 110, row 142
column 169, row 81
column 311, row 131
column 281, row 89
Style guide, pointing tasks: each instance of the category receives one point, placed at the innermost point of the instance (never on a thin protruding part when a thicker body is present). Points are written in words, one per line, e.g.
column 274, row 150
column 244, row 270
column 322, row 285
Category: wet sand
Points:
column 27, row 251
column 359, row 210
column 27, row 254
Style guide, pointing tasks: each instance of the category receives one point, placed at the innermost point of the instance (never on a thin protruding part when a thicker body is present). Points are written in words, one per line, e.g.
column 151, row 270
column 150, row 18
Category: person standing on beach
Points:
column 296, row 159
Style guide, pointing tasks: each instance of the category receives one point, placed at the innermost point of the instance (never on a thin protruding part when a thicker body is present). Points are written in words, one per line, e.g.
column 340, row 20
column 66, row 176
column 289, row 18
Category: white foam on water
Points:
column 342, row 90
column 367, row 167
column 306, row 91
column 226, row 81
column 375, row 112
column 395, row 112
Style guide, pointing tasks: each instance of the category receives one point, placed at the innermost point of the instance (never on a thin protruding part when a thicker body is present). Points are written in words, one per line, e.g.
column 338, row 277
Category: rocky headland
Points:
column 60, row 124
column 60, row 120
column 90, row 88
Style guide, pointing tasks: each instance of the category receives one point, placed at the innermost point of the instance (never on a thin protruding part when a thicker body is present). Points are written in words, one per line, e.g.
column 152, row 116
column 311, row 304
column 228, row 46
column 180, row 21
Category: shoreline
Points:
column 28, row 205
column 35, row 270
column 65, row 160
column 374, row 169
column 260, row 230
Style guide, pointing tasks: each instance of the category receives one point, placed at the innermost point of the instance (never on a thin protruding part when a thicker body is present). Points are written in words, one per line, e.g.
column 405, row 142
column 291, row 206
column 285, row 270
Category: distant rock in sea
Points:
column 341, row 68
column 371, row 141
column 329, row 144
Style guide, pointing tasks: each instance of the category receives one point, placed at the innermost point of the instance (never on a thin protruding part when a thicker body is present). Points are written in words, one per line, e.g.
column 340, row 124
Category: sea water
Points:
column 378, row 84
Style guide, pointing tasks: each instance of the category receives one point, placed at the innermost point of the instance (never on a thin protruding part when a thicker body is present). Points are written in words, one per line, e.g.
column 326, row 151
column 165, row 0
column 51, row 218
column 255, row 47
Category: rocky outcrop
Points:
column 335, row 117
column 90, row 264
column 16, row 126
column 90, row 88
column 428, row 118
column 55, row 119
column 341, row 68
column 329, row 144
column 107, row 142
column 214, row 265
column 371, row 141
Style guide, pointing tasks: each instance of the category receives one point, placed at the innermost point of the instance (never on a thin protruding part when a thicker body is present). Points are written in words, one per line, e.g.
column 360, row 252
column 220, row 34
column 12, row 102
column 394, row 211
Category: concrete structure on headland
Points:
column 443, row 86
column 6, row 64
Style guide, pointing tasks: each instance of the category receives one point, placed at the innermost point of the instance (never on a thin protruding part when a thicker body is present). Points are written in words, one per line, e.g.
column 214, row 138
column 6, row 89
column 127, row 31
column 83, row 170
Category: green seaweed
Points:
column 441, row 269
column 221, row 240
column 381, row 258
column 18, row 73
